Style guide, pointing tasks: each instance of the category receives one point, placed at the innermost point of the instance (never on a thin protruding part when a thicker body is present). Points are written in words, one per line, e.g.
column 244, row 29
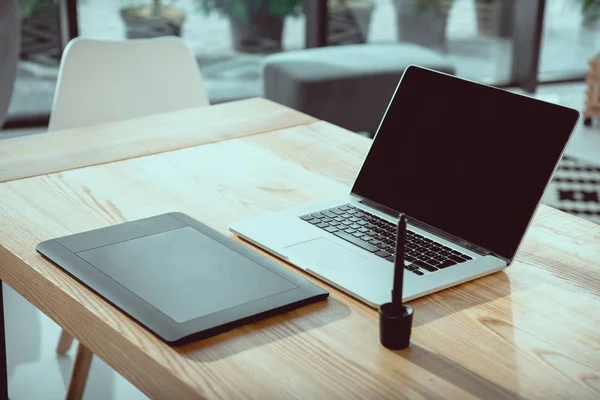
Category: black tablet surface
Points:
column 179, row 278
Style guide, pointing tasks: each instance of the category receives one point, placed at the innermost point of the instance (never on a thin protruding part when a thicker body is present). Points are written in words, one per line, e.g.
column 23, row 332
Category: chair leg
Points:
column 79, row 373
column 64, row 343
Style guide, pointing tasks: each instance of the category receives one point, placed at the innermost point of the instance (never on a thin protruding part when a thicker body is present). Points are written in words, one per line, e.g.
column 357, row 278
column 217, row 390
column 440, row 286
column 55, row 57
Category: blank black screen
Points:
column 465, row 158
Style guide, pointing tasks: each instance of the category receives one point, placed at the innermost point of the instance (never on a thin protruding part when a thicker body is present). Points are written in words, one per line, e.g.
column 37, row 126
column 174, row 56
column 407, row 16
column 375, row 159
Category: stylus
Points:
column 399, row 265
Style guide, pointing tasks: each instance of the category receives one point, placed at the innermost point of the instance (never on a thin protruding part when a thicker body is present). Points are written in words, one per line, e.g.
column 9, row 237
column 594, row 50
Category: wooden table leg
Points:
column 3, row 372
column 79, row 373
column 64, row 343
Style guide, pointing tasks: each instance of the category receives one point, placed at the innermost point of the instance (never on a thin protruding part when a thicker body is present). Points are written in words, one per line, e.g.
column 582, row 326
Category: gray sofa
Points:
column 349, row 86
column 9, row 52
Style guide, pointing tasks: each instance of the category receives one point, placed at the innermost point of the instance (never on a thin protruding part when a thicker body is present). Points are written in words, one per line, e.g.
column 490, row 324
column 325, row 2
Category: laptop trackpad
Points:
column 321, row 252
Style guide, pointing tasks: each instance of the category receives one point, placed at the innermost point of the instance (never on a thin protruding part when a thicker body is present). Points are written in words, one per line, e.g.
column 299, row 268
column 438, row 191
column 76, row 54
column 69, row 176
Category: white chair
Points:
column 107, row 81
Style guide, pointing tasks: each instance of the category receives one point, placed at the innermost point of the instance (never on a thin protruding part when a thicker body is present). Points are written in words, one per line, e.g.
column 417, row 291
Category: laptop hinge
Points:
column 428, row 228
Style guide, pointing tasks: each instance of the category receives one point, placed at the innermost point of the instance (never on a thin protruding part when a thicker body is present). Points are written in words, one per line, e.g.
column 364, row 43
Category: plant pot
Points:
column 349, row 25
column 495, row 18
column 489, row 17
column 140, row 22
column 40, row 37
column 261, row 34
column 423, row 26
column 591, row 17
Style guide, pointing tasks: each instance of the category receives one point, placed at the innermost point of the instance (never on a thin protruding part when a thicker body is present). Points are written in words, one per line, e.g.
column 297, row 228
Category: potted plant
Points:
column 349, row 21
column 256, row 25
column 423, row 21
column 40, row 33
column 152, row 20
column 495, row 17
column 591, row 12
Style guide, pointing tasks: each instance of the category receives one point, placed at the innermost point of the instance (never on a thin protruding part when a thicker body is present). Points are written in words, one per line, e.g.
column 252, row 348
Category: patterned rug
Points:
column 575, row 189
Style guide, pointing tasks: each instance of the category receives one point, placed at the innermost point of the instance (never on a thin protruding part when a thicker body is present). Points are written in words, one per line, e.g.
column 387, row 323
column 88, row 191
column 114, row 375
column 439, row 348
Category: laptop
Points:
column 467, row 164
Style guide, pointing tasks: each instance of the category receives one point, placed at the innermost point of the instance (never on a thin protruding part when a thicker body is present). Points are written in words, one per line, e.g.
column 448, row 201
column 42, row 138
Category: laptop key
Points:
column 433, row 261
column 344, row 208
column 328, row 220
column 446, row 264
column 322, row 225
column 328, row 214
column 382, row 254
column 360, row 243
column 314, row 221
column 354, row 226
column 418, row 272
column 318, row 215
column 425, row 266
column 336, row 211
column 306, row 217
column 331, row 229
column 455, row 258
column 349, row 230
column 357, row 234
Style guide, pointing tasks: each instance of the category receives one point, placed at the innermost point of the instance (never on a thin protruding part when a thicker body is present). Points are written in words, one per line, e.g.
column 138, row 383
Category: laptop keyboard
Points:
column 378, row 236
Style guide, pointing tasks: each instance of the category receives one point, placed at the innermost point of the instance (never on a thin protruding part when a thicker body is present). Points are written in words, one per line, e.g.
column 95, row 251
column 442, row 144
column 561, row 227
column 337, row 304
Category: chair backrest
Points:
column 106, row 81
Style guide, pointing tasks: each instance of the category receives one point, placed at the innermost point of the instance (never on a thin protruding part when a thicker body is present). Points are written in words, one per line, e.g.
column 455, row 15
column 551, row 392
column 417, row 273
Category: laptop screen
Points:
column 465, row 158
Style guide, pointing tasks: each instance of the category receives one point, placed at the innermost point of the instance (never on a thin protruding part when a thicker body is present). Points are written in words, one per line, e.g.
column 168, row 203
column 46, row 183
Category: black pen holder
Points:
column 395, row 327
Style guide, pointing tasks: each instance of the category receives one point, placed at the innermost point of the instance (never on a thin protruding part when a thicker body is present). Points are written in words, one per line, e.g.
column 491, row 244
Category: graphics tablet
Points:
column 179, row 278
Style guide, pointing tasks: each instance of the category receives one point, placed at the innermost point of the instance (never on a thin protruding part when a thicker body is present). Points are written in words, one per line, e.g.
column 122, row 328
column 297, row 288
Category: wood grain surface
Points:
column 528, row 332
column 74, row 148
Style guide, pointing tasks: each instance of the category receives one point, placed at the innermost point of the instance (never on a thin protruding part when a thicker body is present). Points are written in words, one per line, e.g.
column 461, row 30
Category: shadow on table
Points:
column 445, row 304
column 456, row 299
column 456, row 374
column 267, row 331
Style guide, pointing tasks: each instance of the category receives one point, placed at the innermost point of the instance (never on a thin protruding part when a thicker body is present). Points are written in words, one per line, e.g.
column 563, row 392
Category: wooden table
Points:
column 531, row 331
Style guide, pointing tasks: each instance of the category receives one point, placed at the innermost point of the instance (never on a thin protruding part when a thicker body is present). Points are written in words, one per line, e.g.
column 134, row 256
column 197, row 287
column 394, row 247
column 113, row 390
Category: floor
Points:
column 36, row 372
